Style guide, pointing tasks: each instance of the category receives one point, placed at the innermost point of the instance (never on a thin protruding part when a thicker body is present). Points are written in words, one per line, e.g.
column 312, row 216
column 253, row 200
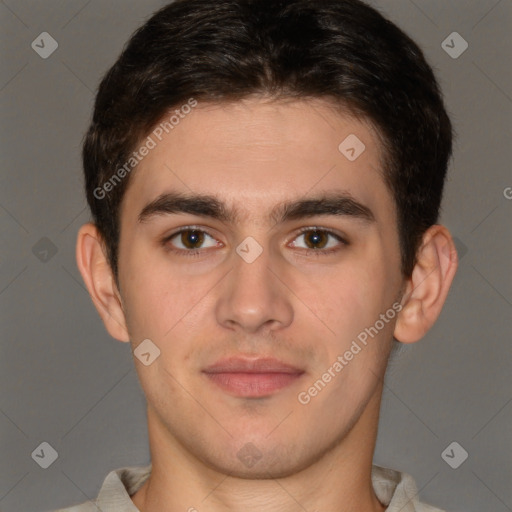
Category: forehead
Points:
column 257, row 153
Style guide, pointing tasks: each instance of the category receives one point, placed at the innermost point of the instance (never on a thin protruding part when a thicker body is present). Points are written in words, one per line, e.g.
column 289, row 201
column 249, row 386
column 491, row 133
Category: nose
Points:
column 253, row 297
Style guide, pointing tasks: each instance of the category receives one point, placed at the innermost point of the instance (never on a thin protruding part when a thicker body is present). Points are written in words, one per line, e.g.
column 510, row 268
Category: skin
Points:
column 302, row 308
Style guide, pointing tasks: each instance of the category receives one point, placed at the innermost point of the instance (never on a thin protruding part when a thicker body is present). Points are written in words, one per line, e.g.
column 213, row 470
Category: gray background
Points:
column 64, row 381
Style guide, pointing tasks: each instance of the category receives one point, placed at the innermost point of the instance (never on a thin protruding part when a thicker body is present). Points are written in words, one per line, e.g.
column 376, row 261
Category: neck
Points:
column 340, row 480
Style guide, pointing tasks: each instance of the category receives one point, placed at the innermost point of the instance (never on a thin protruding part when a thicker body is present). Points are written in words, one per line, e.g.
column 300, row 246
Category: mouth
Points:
column 252, row 378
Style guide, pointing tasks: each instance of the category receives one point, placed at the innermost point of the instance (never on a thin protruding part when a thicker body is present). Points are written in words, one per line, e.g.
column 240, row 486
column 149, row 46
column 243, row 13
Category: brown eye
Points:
column 316, row 239
column 191, row 238
column 321, row 240
column 188, row 240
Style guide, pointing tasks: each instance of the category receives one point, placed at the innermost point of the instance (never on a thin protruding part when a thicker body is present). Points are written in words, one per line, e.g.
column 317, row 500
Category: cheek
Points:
column 160, row 300
column 349, row 301
column 149, row 297
column 331, row 307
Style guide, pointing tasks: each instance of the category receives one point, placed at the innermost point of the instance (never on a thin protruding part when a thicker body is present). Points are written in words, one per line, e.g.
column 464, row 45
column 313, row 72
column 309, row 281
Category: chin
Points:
column 261, row 459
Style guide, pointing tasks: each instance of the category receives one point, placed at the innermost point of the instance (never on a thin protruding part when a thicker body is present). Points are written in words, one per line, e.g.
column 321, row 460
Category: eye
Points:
column 319, row 240
column 190, row 240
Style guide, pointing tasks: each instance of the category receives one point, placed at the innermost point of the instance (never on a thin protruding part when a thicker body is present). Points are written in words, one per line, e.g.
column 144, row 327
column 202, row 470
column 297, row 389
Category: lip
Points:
column 252, row 377
column 251, row 365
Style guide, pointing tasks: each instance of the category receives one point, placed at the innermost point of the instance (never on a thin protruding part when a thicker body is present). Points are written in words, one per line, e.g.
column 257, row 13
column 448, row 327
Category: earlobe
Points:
column 99, row 280
column 428, row 286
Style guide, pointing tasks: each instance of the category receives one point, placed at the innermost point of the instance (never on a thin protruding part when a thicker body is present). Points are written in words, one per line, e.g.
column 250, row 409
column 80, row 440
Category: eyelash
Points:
column 316, row 252
column 322, row 252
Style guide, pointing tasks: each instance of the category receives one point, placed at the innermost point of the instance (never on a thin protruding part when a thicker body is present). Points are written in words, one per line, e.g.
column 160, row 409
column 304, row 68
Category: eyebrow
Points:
column 333, row 203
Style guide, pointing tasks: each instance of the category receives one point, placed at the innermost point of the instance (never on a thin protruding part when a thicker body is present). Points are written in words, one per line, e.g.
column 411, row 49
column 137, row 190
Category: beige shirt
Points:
column 395, row 490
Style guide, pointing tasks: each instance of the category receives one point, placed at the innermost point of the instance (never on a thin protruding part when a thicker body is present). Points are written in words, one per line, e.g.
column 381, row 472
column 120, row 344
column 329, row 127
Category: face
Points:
column 260, row 290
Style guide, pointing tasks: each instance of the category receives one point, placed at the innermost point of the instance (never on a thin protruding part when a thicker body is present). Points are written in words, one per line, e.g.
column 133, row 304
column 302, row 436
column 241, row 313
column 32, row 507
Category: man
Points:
column 265, row 180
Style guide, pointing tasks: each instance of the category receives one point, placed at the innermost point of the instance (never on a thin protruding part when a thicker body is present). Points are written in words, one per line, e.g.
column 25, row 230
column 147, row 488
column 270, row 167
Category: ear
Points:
column 99, row 279
column 428, row 286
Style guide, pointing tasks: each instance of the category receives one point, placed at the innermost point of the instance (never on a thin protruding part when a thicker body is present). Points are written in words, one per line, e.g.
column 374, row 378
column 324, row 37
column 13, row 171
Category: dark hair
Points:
column 227, row 50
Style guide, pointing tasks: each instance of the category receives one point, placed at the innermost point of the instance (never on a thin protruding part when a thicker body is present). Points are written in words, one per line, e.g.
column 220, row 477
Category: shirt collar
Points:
column 395, row 490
